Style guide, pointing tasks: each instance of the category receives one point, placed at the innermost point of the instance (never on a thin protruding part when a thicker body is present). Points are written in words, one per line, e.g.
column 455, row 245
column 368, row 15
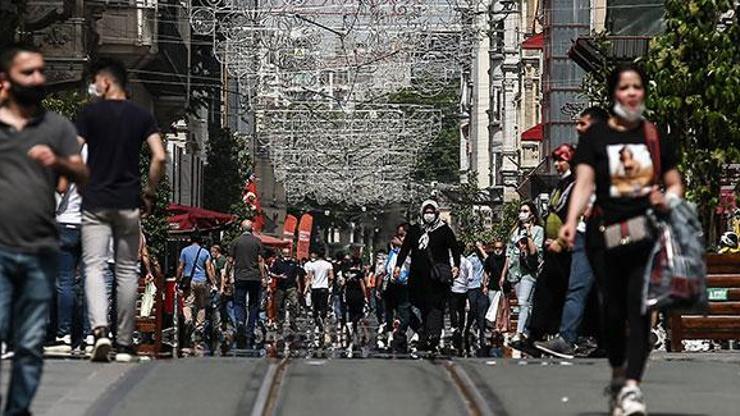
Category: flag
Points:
column 304, row 236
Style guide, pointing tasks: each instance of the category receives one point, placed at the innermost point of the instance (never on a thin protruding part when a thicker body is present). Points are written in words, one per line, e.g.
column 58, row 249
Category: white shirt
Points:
column 460, row 284
column 320, row 269
column 69, row 207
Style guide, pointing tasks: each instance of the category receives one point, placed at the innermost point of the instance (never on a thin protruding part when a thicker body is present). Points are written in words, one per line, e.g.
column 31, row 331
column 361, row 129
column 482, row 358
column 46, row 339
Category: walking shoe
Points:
column 126, row 354
column 60, row 345
column 630, row 402
column 101, row 348
column 612, row 391
column 557, row 347
column 89, row 342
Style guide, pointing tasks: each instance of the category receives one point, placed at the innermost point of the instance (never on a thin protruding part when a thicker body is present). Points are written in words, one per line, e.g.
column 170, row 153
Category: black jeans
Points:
column 242, row 289
column 457, row 303
column 478, row 307
column 319, row 303
column 549, row 295
column 623, row 287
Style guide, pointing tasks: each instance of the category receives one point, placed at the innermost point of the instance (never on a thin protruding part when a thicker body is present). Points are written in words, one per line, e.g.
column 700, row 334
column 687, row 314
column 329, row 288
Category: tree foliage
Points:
column 228, row 170
column 696, row 92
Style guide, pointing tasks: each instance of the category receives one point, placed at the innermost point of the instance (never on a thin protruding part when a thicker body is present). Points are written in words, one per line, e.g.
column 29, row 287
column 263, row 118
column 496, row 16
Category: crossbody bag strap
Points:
column 195, row 263
column 652, row 140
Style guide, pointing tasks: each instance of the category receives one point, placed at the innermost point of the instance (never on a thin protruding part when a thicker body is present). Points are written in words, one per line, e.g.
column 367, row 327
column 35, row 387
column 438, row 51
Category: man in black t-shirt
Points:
column 36, row 148
column 115, row 130
column 285, row 270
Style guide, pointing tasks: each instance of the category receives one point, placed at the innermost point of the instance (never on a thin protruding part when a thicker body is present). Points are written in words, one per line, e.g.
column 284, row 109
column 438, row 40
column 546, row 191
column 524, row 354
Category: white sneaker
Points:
column 89, row 344
column 60, row 345
column 100, row 350
column 630, row 402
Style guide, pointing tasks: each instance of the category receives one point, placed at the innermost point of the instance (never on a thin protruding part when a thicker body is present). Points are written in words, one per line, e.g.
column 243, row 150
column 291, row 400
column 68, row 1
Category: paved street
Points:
column 678, row 385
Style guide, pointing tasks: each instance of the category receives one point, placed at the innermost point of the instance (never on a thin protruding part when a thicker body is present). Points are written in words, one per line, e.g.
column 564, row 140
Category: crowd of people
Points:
column 72, row 249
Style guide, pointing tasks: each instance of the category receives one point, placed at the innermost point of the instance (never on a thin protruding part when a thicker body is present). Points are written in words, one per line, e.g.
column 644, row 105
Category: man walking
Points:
column 249, row 268
column 36, row 148
column 194, row 267
column 320, row 279
column 285, row 270
column 115, row 130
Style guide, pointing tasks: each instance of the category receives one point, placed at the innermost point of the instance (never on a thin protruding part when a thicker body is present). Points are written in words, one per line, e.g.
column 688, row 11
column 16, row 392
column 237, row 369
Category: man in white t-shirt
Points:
column 320, row 278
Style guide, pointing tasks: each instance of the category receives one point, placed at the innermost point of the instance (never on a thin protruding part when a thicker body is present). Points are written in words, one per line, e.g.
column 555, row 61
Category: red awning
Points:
column 273, row 241
column 183, row 219
column 534, row 42
column 534, row 134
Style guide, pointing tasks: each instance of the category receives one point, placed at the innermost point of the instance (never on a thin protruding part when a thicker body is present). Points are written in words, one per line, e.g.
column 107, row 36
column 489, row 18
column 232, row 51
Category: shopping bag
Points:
column 147, row 301
column 492, row 312
column 503, row 318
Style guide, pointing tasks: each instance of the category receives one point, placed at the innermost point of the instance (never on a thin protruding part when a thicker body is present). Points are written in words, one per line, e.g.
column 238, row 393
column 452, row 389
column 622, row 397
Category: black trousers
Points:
column 319, row 303
column 620, row 275
column 397, row 306
column 549, row 295
column 457, row 302
column 432, row 321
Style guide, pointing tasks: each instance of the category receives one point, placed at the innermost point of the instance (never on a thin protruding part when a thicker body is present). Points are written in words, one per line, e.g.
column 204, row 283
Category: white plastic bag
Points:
column 147, row 301
column 493, row 308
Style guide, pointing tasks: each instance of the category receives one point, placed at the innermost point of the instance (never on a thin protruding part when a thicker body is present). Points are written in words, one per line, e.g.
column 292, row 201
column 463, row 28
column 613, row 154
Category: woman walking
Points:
column 619, row 234
column 523, row 259
column 435, row 261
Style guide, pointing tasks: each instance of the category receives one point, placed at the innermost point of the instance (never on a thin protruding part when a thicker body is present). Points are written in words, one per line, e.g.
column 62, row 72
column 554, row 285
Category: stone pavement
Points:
column 675, row 385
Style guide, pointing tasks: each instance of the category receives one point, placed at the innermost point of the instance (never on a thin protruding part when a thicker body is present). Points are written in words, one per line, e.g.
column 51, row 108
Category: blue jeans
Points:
column 242, row 288
column 524, row 292
column 66, row 282
column 26, row 288
column 580, row 284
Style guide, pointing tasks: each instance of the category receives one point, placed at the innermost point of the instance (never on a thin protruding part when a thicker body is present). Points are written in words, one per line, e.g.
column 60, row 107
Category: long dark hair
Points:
column 533, row 209
column 613, row 80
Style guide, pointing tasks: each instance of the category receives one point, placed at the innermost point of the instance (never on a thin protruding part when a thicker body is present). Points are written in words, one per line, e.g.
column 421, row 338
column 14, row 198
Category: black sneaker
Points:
column 60, row 345
column 126, row 354
column 102, row 346
column 557, row 347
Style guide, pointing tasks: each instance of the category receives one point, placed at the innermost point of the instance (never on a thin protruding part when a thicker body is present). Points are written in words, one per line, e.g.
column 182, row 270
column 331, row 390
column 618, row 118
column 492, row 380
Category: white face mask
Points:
column 627, row 114
column 523, row 216
column 92, row 89
column 429, row 218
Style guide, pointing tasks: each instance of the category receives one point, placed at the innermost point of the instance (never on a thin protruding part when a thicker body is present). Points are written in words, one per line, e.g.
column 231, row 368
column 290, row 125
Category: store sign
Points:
column 717, row 294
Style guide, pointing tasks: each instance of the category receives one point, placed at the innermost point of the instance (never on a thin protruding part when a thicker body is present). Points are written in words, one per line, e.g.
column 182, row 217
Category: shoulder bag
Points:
column 187, row 280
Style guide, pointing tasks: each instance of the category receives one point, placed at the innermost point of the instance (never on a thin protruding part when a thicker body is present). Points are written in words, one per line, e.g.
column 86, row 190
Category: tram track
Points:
column 475, row 403
column 266, row 403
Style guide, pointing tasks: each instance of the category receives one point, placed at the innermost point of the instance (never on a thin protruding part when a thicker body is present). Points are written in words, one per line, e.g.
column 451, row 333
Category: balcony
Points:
column 127, row 29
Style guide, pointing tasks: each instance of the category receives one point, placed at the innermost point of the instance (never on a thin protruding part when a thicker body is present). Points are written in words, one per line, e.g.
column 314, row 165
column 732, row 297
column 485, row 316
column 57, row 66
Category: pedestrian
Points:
column 320, row 279
column 397, row 292
column 581, row 278
column 552, row 284
column 618, row 232
column 69, row 227
column 285, row 271
column 115, row 130
column 354, row 294
column 196, row 280
column 477, row 299
column 493, row 266
column 37, row 147
column 458, row 302
column 523, row 261
column 431, row 244
column 249, row 273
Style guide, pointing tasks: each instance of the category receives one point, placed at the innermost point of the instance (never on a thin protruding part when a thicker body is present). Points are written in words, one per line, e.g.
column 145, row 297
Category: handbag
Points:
column 440, row 272
column 624, row 233
column 186, row 281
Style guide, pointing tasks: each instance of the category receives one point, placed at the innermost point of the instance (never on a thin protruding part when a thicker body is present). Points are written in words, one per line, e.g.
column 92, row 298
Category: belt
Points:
column 70, row 226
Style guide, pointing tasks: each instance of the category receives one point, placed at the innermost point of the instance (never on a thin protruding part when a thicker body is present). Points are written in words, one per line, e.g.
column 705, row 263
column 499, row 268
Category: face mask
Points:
column 429, row 218
column 523, row 216
column 28, row 96
column 498, row 253
column 627, row 114
column 92, row 89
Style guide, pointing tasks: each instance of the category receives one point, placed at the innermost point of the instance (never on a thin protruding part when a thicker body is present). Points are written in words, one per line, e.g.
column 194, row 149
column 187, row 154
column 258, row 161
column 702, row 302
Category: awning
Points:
column 534, row 42
column 275, row 242
column 183, row 219
column 534, row 134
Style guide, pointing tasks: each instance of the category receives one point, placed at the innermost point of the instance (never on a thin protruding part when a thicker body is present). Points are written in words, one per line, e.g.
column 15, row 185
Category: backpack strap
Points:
column 652, row 140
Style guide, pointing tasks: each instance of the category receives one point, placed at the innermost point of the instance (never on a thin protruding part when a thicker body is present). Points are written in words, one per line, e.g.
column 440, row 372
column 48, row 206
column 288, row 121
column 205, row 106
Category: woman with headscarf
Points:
column 435, row 261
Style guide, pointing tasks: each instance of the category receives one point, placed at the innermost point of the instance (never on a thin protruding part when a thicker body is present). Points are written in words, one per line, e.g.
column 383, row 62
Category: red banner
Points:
column 291, row 223
column 304, row 236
